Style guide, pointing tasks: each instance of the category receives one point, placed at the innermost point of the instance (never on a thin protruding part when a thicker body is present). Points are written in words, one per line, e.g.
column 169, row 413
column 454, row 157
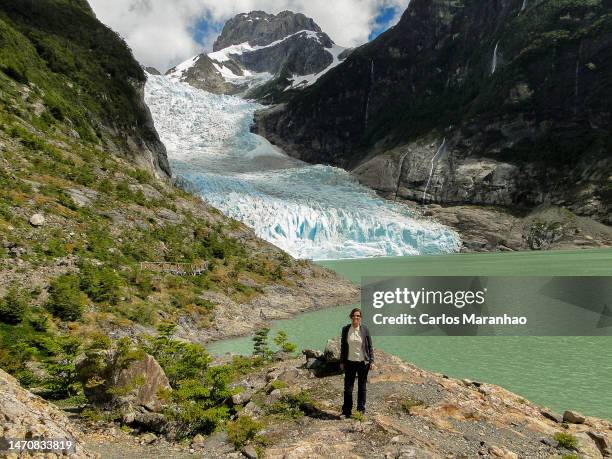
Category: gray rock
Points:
column 148, row 438
column 250, row 409
column 548, row 414
column 25, row 415
column 198, row 441
column 312, row 363
column 82, row 197
column 259, row 28
column 249, row 452
column 573, row 417
column 312, row 353
column 332, row 350
column 274, row 396
column 152, row 70
column 37, row 220
column 138, row 384
column 289, row 375
column 601, row 442
column 242, row 397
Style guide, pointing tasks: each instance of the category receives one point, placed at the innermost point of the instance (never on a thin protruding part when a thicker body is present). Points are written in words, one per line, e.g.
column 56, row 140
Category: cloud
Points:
column 162, row 33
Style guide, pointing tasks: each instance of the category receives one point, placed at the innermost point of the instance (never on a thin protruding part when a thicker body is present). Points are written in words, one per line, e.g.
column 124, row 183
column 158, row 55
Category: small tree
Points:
column 13, row 307
column 260, row 343
column 282, row 340
column 66, row 300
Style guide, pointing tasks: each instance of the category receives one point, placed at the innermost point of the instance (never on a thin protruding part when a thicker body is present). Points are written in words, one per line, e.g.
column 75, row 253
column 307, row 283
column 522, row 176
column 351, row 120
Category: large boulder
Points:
column 332, row 350
column 27, row 416
column 110, row 381
column 326, row 363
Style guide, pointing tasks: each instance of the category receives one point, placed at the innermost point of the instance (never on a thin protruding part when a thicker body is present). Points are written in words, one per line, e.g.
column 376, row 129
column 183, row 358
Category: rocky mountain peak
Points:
column 259, row 28
column 263, row 56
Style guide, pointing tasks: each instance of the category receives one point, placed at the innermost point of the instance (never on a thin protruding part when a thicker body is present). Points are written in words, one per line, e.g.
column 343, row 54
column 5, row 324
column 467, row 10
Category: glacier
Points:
column 311, row 211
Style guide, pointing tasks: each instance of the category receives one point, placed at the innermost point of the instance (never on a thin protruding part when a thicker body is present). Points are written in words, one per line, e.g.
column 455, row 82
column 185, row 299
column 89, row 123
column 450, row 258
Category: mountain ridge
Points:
column 262, row 56
column 478, row 79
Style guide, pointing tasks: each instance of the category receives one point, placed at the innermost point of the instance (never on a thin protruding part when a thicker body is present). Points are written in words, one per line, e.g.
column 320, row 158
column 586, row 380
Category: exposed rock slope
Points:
column 410, row 413
column 504, row 103
column 26, row 416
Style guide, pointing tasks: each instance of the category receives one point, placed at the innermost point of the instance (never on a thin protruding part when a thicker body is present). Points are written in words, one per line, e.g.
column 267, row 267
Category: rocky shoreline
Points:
column 410, row 413
column 508, row 229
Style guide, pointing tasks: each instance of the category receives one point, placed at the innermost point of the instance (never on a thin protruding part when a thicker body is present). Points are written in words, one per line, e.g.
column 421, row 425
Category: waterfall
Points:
column 576, row 80
column 494, row 60
column 432, row 167
column 524, row 7
column 367, row 106
column 399, row 175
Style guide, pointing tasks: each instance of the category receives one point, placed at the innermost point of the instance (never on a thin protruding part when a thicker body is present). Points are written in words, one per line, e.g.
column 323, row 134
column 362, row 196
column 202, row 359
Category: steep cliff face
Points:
column 259, row 28
column 504, row 102
column 262, row 55
column 86, row 73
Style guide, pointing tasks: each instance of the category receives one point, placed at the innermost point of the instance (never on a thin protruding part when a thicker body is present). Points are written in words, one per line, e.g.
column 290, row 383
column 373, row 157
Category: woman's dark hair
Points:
column 354, row 311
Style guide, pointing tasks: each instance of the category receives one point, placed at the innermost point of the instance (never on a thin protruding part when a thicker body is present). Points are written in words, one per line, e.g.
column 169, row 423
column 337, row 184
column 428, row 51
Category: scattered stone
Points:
column 37, row 220
column 242, row 398
column 289, row 375
column 548, row 414
column 198, row 441
column 148, row 438
column 548, row 442
column 573, row 417
column 273, row 374
column 249, row 452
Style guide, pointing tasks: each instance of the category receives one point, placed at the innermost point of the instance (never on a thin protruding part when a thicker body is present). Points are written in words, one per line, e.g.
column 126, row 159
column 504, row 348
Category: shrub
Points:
column 291, row 405
column 180, row 360
column 13, row 307
column 196, row 404
column 66, row 300
column 282, row 340
column 101, row 284
column 242, row 430
column 410, row 403
column 566, row 440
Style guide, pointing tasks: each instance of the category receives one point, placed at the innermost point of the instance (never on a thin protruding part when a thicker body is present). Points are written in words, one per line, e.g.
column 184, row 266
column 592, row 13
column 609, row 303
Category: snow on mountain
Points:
column 271, row 49
column 317, row 212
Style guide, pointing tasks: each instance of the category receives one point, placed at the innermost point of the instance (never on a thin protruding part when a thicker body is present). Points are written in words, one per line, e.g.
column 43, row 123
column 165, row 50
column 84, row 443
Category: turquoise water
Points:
column 558, row 372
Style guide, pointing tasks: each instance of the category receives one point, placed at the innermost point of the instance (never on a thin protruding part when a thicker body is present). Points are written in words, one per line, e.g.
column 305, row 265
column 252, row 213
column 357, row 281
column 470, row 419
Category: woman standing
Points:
column 356, row 357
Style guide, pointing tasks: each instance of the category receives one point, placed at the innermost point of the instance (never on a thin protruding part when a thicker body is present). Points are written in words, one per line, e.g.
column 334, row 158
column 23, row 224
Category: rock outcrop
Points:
column 410, row 412
column 261, row 55
column 500, row 103
column 110, row 381
column 259, row 28
column 24, row 416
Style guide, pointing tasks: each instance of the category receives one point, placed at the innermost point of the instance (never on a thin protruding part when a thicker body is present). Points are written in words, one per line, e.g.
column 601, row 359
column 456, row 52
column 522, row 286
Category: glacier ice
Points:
column 317, row 212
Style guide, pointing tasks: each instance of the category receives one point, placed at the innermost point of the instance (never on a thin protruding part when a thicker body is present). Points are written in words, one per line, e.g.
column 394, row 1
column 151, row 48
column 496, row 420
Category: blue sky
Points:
column 383, row 20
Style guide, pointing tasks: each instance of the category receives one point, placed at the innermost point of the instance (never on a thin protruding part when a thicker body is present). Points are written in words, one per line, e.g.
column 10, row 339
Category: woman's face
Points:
column 356, row 318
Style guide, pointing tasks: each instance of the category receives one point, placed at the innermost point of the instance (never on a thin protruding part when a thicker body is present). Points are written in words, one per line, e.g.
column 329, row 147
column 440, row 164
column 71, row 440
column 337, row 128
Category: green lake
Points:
column 558, row 372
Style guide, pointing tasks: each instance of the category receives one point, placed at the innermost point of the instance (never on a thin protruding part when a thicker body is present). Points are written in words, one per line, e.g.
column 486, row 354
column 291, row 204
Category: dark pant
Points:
column 351, row 369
